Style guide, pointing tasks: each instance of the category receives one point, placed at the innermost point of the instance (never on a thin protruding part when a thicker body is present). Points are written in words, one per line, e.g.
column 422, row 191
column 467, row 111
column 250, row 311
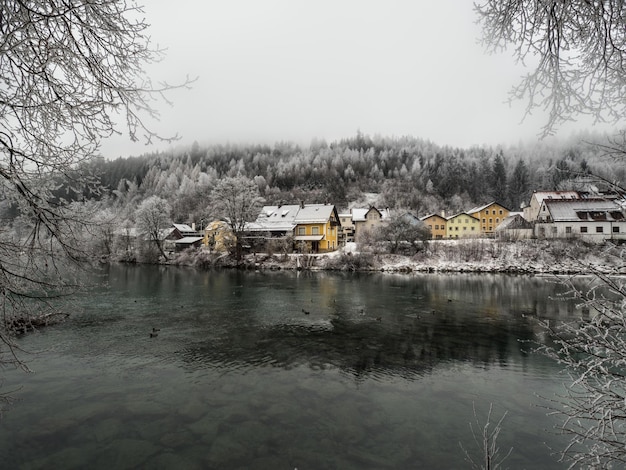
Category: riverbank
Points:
column 476, row 255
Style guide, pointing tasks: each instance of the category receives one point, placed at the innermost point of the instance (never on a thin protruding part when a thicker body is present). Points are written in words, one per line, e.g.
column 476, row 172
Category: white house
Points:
column 531, row 212
column 593, row 220
column 366, row 220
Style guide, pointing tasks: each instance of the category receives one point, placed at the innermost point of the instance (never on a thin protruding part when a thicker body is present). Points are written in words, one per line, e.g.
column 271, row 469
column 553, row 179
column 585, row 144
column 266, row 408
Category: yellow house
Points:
column 436, row 224
column 462, row 225
column 490, row 216
column 318, row 226
column 218, row 236
column 314, row 227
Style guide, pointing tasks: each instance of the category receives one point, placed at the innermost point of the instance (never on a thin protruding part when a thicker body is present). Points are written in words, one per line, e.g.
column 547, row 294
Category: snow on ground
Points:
column 475, row 255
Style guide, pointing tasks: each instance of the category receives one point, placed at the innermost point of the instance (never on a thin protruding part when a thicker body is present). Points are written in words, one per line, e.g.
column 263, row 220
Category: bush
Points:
column 352, row 262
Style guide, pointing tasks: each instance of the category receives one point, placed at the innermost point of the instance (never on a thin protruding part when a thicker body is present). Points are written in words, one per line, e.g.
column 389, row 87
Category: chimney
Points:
column 301, row 204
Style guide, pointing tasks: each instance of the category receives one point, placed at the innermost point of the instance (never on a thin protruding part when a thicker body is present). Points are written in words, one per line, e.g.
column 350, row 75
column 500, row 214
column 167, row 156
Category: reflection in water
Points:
column 285, row 370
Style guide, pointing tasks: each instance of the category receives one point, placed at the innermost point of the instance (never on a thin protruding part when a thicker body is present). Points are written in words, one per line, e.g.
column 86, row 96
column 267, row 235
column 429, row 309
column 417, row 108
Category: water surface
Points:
column 284, row 370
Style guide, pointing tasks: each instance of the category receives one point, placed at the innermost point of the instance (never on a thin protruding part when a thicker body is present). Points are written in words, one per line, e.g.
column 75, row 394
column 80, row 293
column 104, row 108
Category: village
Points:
column 321, row 228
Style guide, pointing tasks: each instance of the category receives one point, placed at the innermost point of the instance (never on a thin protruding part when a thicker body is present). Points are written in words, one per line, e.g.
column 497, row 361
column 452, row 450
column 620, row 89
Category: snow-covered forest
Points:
column 405, row 172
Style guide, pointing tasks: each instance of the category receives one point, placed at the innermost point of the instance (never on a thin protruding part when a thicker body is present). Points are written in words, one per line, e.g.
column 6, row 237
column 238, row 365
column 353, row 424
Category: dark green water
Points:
column 382, row 373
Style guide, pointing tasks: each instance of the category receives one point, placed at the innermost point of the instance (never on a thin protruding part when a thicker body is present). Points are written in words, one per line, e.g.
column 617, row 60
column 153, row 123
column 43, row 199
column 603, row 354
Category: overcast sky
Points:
column 271, row 70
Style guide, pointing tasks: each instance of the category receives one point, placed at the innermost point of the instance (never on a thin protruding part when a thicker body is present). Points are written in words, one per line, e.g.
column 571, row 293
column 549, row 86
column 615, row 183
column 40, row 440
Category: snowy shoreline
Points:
column 528, row 257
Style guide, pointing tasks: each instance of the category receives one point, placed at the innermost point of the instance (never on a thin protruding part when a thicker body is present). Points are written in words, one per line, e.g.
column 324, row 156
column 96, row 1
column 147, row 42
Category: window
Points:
column 491, row 222
column 599, row 229
column 490, row 228
column 456, row 228
column 472, row 228
column 568, row 230
column 500, row 211
column 497, row 221
column 583, row 229
column 436, row 227
column 484, row 221
column 315, row 230
column 430, row 227
column 554, row 230
column 301, row 230
column 615, row 229
column 464, row 228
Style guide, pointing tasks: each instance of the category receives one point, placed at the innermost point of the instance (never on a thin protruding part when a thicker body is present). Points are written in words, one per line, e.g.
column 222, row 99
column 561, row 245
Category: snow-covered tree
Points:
column 577, row 51
column 69, row 70
column 153, row 216
column 237, row 201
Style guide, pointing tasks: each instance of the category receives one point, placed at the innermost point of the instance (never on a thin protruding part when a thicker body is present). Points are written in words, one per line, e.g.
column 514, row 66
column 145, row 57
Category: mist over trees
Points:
column 406, row 173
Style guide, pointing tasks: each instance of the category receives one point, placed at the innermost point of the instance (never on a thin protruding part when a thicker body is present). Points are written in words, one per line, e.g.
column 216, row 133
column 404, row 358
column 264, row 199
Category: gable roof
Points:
column 188, row 240
column 539, row 196
column 433, row 215
column 183, row 228
column 581, row 210
column 314, row 213
column 480, row 208
column 461, row 213
column 512, row 222
column 284, row 218
column 360, row 214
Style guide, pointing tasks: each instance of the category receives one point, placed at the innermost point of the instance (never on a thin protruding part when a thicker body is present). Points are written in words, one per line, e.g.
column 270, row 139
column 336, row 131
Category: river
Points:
column 284, row 370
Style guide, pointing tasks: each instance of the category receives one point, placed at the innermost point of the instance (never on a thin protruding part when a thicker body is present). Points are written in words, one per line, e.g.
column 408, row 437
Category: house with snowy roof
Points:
column 462, row 225
column 367, row 220
column 490, row 216
column 595, row 220
column 436, row 223
column 531, row 211
column 315, row 227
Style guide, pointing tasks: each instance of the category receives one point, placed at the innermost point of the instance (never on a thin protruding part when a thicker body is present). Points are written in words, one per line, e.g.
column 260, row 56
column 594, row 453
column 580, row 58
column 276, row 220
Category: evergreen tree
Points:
column 498, row 186
column 519, row 185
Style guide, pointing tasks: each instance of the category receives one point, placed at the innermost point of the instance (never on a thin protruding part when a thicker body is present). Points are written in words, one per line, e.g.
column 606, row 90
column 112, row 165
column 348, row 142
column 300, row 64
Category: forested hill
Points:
column 406, row 172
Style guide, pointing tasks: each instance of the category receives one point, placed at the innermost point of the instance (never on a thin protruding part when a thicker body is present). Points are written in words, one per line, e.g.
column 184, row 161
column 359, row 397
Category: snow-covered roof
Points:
column 314, row 213
column 188, row 240
column 285, row 217
column 541, row 195
column 182, row 228
column 432, row 215
column 583, row 210
column 360, row 214
column 514, row 221
column 480, row 208
column 460, row 214
column 275, row 218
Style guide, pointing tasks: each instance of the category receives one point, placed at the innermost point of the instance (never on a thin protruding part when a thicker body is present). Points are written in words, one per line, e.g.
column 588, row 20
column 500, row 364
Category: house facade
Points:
column 347, row 227
column 594, row 220
column 514, row 227
column 317, row 227
column 531, row 212
column 314, row 227
column 218, row 236
column 490, row 216
column 367, row 220
column 462, row 225
column 437, row 226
